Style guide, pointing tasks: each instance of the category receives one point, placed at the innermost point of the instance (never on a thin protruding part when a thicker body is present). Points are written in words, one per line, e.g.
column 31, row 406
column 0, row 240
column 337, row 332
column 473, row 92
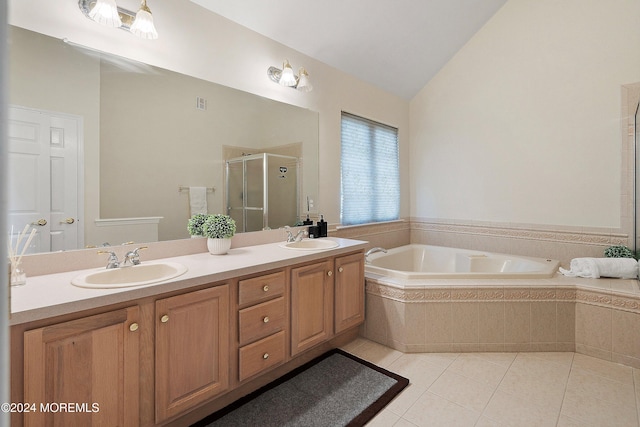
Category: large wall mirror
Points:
column 146, row 136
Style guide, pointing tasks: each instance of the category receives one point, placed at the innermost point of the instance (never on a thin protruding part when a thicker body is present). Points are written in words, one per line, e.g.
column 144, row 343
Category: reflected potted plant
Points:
column 218, row 229
column 194, row 226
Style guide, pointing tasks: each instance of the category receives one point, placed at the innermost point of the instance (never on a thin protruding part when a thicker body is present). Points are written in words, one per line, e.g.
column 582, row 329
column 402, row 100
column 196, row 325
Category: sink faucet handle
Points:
column 113, row 259
column 133, row 256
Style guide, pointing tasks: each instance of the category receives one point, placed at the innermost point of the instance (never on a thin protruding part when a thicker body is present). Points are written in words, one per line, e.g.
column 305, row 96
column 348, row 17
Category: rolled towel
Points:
column 594, row 268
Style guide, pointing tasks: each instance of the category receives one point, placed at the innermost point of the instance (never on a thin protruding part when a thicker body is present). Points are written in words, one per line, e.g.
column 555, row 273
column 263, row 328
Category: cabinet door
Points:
column 311, row 305
column 90, row 363
column 192, row 349
column 349, row 292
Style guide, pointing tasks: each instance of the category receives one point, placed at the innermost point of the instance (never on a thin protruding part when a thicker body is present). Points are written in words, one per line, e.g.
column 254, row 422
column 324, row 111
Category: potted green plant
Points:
column 218, row 229
column 195, row 223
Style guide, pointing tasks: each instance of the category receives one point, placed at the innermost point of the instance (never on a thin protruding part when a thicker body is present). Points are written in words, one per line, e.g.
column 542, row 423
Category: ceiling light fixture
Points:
column 106, row 12
column 285, row 77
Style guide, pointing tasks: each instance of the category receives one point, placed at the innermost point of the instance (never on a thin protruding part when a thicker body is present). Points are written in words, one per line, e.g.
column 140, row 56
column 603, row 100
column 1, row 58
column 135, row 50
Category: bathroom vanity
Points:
column 173, row 352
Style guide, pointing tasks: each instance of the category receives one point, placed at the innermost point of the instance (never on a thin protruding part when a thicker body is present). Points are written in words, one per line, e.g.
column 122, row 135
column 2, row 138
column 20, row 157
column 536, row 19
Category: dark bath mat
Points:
column 335, row 389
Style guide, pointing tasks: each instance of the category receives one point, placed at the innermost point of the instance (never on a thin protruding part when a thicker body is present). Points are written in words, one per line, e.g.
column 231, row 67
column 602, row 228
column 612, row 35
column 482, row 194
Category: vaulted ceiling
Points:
column 397, row 45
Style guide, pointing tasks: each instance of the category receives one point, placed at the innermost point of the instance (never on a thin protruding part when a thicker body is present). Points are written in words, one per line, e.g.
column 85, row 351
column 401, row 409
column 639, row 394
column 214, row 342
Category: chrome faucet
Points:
column 372, row 251
column 113, row 259
column 291, row 237
column 130, row 258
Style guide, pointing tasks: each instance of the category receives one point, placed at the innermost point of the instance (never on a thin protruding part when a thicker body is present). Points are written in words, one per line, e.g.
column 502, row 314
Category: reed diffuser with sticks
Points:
column 17, row 275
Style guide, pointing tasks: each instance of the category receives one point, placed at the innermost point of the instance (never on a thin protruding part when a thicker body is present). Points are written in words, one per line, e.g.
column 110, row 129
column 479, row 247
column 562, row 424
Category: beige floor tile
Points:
column 519, row 411
column 546, row 390
column 377, row 354
column 499, row 358
column 479, row 369
column 462, row 390
column 586, row 384
column 403, row 423
column 406, row 399
column 353, row 345
column 433, row 411
column 384, row 418
column 420, row 370
column 486, row 422
column 565, row 421
column 599, row 412
column 613, row 371
column 562, row 358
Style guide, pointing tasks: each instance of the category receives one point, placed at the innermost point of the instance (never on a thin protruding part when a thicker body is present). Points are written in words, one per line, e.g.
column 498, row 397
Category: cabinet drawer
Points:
column 261, row 355
column 261, row 320
column 260, row 288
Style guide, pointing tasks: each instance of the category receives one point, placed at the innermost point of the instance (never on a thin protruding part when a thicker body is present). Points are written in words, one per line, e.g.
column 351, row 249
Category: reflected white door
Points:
column 43, row 178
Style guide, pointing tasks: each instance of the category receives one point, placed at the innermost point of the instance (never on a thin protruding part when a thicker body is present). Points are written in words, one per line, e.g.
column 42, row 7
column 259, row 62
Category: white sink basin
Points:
column 137, row 275
column 311, row 244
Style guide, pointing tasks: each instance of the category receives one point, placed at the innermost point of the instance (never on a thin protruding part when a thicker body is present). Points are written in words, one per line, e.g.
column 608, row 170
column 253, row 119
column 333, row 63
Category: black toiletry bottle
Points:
column 322, row 227
column 307, row 221
column 314, row 232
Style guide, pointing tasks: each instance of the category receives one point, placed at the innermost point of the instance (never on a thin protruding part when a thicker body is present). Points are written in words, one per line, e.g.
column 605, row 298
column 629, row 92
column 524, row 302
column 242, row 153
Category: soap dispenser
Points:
column 322, row 227
column 307, row 221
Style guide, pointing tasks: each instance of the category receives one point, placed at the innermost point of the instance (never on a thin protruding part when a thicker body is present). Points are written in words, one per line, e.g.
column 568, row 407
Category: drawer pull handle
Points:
column 133, row 327
column 341, row 269
column 164, row 319
column 329, row 273
column 265, row 288
column 266, row 319
column 265, row 356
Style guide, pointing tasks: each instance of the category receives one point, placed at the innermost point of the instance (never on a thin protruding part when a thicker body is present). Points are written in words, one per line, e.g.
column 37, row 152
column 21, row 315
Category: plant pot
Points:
column 218, row 246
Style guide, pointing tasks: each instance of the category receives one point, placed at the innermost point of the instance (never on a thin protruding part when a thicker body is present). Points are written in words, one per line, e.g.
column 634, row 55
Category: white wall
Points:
column 197, row 42
column 523, row 124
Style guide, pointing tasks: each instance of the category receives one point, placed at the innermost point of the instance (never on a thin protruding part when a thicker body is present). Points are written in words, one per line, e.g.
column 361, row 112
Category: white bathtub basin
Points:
column 311, row 244
column 137, row 275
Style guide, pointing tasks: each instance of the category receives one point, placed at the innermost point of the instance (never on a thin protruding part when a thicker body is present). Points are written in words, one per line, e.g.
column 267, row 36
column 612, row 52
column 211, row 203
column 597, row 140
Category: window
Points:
column 369, row 171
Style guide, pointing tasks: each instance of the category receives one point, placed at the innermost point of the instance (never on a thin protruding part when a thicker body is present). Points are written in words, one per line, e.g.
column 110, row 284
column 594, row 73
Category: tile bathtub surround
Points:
column 554, row 315
column 502, row 389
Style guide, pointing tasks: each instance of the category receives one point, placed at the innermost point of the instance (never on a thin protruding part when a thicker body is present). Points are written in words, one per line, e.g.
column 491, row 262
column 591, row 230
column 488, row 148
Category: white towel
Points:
column 198, row 200
column 594, row 268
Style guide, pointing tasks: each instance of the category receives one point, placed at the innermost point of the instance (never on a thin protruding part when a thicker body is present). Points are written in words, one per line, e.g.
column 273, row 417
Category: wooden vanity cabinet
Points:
column 311, row 305
column 162, row 360
column 349, row 292
column 192, row 349
column 262, row 321
column 85, row 362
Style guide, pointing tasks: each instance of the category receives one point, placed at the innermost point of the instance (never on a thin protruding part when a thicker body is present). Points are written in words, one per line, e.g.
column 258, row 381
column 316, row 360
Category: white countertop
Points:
column 53, row 294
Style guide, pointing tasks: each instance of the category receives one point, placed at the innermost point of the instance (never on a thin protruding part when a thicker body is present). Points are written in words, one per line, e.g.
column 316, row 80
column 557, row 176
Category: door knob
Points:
column 41, row 222
column 68, row 221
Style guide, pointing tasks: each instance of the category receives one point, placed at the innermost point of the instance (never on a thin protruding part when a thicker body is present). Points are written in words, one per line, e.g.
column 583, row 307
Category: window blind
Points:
column 369, row 171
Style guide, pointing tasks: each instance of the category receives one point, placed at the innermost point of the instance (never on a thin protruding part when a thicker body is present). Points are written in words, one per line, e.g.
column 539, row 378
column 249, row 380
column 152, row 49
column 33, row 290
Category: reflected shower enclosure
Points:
column 262, row 191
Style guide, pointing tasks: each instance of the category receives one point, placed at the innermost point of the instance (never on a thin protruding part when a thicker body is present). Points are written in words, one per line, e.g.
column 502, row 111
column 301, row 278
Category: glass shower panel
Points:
column 235, row 193
column 262, row 191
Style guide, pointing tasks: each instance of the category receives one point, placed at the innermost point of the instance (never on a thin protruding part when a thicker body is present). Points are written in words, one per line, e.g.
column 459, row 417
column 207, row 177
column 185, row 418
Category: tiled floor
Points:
column 505, row 389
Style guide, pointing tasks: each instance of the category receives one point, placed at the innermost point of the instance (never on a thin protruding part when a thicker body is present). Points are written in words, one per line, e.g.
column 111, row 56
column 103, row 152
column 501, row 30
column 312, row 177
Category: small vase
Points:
column 218, row 246
column 18, row 276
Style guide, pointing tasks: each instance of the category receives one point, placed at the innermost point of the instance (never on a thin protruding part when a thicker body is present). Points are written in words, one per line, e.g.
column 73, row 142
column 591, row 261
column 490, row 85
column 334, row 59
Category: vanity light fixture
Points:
column 106, row 12
column 285, row 77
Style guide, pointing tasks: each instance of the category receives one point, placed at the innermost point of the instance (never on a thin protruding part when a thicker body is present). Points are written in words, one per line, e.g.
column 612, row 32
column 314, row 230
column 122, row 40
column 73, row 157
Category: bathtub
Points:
column 416, row 261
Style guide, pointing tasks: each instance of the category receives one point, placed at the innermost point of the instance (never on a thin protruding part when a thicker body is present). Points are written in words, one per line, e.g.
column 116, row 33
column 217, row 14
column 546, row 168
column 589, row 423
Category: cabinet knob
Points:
column 329, row 273
column 265, row 356
column 266, row 319
column 265, row 288
column 340, row 269
column 133, row 327
column 164, row 319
